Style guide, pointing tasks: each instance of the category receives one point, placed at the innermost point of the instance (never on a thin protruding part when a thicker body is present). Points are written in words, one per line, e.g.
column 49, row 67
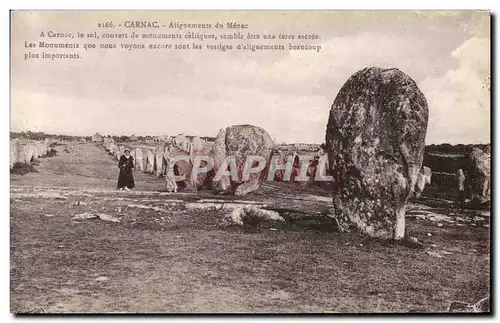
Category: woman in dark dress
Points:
column 126, row 177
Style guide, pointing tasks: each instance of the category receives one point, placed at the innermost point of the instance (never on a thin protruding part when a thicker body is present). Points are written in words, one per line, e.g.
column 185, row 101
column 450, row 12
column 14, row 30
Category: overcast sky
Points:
column 287, row 93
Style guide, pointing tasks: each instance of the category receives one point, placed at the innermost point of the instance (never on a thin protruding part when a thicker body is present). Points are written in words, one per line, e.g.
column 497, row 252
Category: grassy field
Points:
column 166, row 256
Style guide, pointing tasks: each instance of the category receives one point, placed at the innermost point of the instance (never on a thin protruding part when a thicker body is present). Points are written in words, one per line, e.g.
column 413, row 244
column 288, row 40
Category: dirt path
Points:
column 83, row 165
column 166, row 256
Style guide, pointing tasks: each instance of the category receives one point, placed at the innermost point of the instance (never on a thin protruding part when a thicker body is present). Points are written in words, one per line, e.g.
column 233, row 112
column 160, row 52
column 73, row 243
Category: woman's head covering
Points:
column 126, row 149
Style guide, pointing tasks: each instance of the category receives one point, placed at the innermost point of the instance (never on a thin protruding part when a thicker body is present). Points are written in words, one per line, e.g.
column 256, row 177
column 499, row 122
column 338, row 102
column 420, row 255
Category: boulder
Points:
column 184, row 167
column 182, row 142
column 159, row 167
column 375, row 141
column 97, row 138
column 281, row 159
column 40, row 149
column 150, row 162
column 179, row 168
column 28, row 152
column 113, row 149
column 48, row 142
column 479, row 176
column 460, row 178
column 138, row 159
column 250, row 214
column 218, row 153
column 108, row 142
column 240, row 142
column 198, row 146
column 14, row 152
column 424, row 178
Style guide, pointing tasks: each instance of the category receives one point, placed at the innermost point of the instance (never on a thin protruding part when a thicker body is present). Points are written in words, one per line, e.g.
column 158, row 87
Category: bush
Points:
column 22, row 169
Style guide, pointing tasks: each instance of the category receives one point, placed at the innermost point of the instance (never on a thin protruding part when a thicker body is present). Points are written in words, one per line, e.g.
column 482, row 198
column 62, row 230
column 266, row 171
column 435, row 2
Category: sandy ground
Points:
column 168, row 254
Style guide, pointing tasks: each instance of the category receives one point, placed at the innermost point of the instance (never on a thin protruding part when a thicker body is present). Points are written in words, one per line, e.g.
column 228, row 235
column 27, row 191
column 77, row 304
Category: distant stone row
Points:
column 375, row 140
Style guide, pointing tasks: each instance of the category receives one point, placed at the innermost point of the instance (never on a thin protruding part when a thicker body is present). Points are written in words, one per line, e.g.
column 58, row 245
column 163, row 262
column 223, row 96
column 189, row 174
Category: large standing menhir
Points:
column 241, row 142
column 375, row 139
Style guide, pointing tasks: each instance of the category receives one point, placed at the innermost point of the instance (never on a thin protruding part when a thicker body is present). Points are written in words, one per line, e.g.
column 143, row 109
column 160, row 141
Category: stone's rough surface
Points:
column 179, row 162
column 375, row 140
column 241, row 141
column 218, row 153
column 198, row 146
column 250, row 214
column 479, row 176
column 28, row 153
column 138, row 159
column 159, row 164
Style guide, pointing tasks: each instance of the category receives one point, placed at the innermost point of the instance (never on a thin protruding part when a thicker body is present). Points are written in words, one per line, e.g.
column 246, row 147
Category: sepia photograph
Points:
column 250, row 161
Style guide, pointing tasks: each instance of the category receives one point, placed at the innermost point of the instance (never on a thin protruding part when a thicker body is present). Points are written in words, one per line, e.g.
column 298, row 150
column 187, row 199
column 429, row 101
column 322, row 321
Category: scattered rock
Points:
column 49, row 215
column 439, row 224
column 217, row 206
column 41, row 195
column 102, row 279
column 439, row 217
column 235, row 201
column 84, row 216
column 107, row 217
column 481, row 306
column 250, row 214
column 102, row 216
column 147, row 207
column 429, row 234
column 280, row 294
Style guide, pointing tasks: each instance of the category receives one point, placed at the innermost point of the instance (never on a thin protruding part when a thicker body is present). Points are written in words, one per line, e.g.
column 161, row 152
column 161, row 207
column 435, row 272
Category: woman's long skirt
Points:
column 126, row 178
